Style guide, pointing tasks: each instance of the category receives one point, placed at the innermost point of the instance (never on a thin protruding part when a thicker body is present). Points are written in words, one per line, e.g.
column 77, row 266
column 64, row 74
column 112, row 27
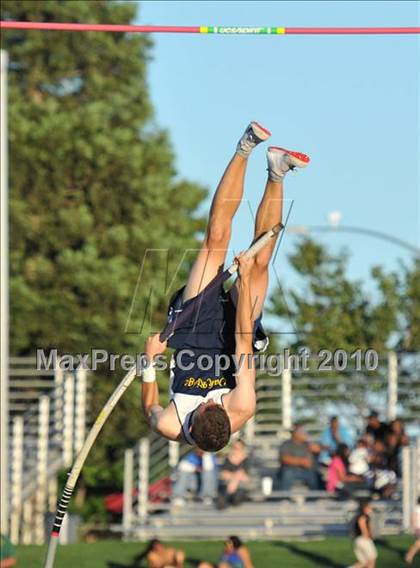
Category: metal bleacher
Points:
column 299, row 512
column 298, row 515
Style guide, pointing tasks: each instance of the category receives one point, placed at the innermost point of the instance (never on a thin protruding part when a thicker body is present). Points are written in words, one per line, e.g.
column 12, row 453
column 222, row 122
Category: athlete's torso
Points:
column 185, row 404
column 203, row 366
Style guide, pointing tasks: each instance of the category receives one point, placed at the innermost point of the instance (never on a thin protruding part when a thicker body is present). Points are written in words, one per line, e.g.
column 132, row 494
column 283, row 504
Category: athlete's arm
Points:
column 149, row 390
column 240, row 402
column 164, row 421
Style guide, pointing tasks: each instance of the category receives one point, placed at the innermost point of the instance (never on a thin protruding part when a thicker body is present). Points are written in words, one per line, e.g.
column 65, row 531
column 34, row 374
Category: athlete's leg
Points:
column 224, row 206
column 213, row 251
column 270, row 212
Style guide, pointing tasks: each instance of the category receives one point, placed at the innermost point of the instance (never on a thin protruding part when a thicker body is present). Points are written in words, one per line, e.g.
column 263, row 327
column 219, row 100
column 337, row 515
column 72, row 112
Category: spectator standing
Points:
column 197, row 471
column 415, row 547
column 363, row 546
column 297, row 461
column 160, row 556
column 234, row 475
column 335, row 434
column 397, row 427
column 395, row 440
column 375, row 427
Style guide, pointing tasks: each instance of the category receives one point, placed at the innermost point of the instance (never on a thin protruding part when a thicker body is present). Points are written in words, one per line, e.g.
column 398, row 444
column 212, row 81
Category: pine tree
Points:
column 93, row 186
column 333, row 312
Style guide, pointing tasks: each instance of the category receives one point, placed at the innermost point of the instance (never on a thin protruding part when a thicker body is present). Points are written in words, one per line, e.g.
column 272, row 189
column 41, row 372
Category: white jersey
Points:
column 185, row 404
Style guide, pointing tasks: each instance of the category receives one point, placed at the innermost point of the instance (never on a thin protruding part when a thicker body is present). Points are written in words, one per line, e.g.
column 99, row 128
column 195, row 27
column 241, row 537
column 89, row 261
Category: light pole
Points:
column 4, row 300
column 308, row 229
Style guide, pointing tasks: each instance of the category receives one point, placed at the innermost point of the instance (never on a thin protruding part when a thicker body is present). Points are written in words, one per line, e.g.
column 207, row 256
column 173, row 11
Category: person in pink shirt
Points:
column 337, row 475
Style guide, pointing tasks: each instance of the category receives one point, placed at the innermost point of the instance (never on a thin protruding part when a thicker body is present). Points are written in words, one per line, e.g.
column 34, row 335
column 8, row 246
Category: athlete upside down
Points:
column 205, row 412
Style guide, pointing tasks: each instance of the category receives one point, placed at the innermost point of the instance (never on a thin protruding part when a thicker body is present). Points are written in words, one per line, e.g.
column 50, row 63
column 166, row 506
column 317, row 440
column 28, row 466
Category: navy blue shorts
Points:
column 210, row 332
column 211, row 327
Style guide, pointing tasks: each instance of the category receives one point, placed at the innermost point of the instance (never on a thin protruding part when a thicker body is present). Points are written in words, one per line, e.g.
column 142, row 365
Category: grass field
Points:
column 328, row 553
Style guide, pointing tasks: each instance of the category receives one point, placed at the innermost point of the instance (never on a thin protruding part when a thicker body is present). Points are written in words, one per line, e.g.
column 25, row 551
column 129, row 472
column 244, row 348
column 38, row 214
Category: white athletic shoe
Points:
column 280, row 161
column 253, row 135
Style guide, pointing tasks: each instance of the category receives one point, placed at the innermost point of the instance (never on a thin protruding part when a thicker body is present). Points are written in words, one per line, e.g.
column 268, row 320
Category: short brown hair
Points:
column 211, row 429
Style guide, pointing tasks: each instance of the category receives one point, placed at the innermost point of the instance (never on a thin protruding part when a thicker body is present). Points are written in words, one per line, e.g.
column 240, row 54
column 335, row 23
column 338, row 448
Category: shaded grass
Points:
column 328, row 553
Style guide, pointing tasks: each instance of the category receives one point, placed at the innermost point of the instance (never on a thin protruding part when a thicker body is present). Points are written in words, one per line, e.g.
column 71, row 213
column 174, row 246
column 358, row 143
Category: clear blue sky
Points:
column 351, row 103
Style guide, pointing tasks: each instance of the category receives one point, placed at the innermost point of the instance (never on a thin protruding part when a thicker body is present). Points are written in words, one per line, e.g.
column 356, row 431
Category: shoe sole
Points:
column 299, row 159
column 260, row 131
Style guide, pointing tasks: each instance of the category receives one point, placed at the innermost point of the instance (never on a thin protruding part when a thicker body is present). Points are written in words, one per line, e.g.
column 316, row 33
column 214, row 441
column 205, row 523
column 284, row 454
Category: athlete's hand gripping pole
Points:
column 186, row 313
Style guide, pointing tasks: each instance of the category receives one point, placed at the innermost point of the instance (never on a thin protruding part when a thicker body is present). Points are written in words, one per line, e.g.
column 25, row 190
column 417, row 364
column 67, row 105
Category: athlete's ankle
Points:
column 274, row 177
column 281, row 161
column 253, row 135
column 242, row 155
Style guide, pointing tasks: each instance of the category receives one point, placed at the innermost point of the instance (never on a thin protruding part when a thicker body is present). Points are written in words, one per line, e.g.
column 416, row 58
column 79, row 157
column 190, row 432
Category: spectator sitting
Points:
column 332, row 436
column 385, row 479
column 234, row 475
column 196, row 471
column 359, row 458
column 375, row 427
column 159, row 556
column 297, row 461
column 235, row 555
column 338, row 478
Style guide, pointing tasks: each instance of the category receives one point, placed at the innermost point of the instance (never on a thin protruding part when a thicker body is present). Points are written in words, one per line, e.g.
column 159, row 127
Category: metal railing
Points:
column 47, row 426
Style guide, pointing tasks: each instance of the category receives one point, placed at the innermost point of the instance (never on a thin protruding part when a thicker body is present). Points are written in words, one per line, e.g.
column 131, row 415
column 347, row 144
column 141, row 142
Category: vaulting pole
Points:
column 80, row 460
column 223, row 30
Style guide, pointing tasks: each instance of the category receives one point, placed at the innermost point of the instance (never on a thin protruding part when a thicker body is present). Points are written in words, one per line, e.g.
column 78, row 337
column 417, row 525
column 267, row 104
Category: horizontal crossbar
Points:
column 222, row 30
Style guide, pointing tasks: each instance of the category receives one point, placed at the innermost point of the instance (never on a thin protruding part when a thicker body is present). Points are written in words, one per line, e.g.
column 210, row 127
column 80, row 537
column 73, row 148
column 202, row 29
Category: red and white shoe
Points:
column 253, row 135
column 280, row 161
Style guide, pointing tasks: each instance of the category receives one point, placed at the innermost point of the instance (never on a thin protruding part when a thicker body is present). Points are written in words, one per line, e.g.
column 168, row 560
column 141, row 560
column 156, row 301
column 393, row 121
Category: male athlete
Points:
column 207, row 405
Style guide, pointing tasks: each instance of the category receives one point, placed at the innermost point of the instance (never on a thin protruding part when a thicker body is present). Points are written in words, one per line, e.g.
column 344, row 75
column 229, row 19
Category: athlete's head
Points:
column 210, row 427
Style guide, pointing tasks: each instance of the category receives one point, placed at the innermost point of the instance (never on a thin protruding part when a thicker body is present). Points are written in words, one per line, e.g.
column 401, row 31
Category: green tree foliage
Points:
column 93, row 186
column 330, row 311
column 409, row 287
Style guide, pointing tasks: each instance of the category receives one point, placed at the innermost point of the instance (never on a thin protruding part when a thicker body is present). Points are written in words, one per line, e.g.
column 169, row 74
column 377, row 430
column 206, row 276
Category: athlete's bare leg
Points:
column 224, row 206
column 270, row 212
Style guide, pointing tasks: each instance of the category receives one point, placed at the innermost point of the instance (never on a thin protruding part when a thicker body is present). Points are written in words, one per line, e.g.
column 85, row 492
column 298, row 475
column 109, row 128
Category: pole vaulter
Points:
column 118, row 393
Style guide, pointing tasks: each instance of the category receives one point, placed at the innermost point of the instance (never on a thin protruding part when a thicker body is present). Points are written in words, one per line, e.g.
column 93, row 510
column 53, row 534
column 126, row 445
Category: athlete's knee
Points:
column 218, row 233
column 262, row 260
